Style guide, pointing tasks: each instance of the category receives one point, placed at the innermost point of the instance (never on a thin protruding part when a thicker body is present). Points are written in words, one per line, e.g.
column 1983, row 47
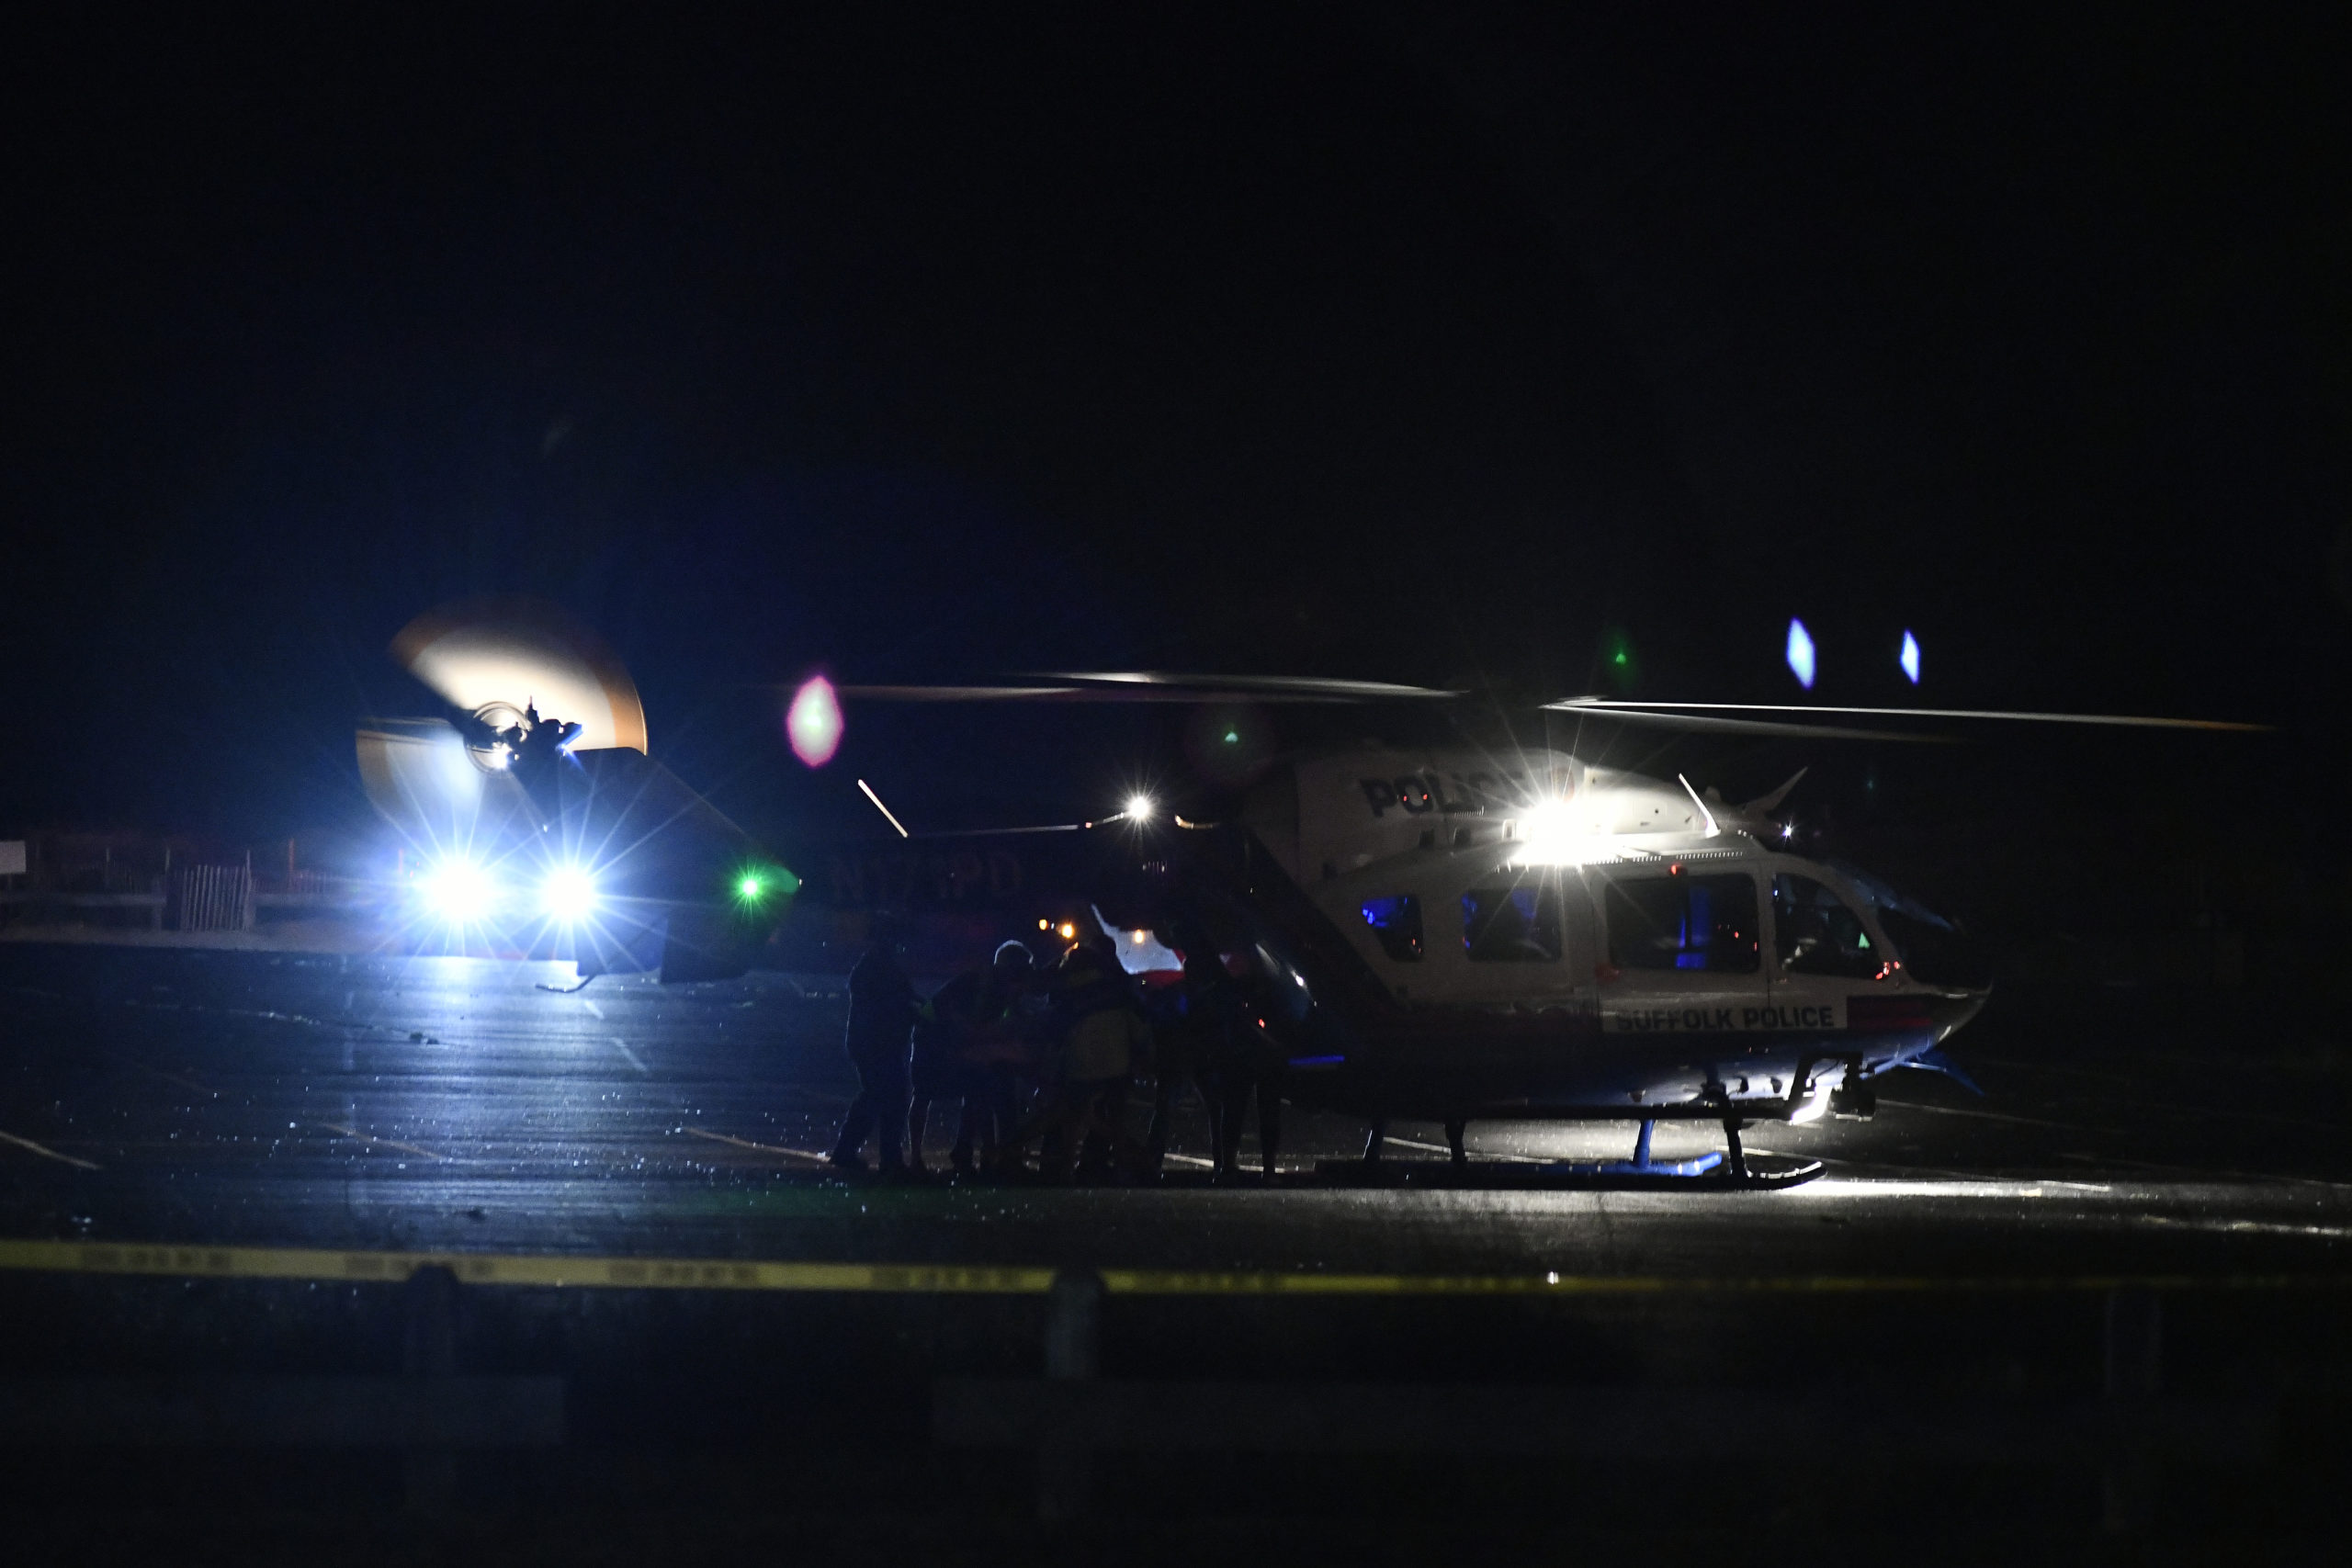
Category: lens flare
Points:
column 459, row 891
column 1801, row 654
column 755, row 882
column 569, row 894
column 1555, row 833
column 813, row 723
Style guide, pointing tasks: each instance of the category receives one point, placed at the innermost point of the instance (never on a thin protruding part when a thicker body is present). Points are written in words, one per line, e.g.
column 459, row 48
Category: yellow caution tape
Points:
column 1163, row 1283
column 513, row 1268
column 923, row 1279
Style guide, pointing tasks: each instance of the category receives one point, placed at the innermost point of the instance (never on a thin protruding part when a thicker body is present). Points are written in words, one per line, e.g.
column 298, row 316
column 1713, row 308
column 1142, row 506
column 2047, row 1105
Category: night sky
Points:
column 1439, row 344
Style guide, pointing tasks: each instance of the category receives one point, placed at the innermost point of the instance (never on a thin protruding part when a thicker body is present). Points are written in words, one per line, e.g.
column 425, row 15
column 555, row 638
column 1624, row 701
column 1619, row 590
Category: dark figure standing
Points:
column 1234, row 1057
column 970, row 1027
column 1190, row 1038
column 882, row 1007
column 1098, row 1032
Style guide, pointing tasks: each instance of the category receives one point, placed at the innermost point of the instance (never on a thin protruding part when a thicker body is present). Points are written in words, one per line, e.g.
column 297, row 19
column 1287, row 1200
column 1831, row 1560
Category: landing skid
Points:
column 1734, row 1168
column 1705, row 1174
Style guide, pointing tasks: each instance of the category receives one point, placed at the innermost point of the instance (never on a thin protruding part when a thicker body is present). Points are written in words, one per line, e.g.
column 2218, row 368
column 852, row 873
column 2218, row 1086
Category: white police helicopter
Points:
column 1459, row 935
column 533, row 824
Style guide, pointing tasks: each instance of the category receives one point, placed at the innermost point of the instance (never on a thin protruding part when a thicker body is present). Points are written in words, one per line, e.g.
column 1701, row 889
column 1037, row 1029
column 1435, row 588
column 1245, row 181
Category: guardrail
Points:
column 428, row 1413
column 207, row 908
column 1072, row 1415
column 2127, row 1433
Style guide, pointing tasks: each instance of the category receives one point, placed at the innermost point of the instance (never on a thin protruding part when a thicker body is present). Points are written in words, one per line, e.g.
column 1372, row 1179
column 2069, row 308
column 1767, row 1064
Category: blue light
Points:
column 1801, row 654
column 1911, row 657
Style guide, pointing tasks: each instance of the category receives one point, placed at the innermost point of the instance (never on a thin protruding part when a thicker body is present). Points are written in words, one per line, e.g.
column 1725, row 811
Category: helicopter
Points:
column 533, row 823
column 1454, row 934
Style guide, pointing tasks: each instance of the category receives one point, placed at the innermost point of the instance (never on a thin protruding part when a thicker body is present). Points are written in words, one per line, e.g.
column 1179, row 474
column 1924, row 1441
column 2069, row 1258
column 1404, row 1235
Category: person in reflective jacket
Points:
column 963, row 1046
column 882, row 1007
column 1097, row 1032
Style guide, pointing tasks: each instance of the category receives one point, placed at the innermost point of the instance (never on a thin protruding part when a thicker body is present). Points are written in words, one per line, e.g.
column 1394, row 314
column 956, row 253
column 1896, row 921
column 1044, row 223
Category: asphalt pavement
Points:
column 193, row 1096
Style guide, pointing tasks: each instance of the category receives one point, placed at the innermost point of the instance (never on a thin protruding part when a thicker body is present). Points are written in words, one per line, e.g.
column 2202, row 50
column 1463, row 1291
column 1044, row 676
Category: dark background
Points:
column 1437, row 344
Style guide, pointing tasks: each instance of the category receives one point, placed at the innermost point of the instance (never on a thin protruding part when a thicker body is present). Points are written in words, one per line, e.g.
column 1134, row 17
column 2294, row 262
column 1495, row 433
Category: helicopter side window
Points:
column 1511, row 925
column 1684, row 923
column 1815, row 933
column 1396, row 923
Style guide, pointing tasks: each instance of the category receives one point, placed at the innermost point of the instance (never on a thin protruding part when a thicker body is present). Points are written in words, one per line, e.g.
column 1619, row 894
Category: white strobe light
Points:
column 457, row 890
column 569, row 894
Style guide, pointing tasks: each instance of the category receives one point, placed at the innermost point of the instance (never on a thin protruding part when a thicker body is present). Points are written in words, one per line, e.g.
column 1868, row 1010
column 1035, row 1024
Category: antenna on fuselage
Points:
column 1703, row 812
column 886, row 811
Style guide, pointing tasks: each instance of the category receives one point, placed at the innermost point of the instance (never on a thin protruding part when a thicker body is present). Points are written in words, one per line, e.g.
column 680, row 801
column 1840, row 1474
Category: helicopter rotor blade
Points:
column 1688, row 712
column 512, row 652
column 957, row 694
column 418, row 774
column 1265, row 689
column 1613, row 714
column 1295, row 687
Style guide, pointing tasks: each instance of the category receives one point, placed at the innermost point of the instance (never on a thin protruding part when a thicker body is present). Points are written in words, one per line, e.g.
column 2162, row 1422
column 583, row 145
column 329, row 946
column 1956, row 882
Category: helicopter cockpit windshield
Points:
column 1936, row 951
column 1816, row 933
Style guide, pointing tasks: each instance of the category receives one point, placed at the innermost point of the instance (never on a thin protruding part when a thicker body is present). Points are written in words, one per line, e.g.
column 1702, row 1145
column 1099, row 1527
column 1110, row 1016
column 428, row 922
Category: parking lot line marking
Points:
column 747, row 1143
column 47, row 1153
column 154, row 1071
column 381, row 1143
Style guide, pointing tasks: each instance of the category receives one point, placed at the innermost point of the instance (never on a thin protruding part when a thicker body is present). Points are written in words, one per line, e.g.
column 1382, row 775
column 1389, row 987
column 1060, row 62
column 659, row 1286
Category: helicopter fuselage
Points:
column 1708, row 978
column 1557, row 940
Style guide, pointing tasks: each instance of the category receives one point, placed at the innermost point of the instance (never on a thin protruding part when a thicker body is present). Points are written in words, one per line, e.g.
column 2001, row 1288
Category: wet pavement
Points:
column 190, row 1096
column 186, row 1095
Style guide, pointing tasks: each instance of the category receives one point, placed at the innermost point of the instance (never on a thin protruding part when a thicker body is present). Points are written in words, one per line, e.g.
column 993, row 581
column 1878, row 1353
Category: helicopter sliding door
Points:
column 1682, row 952
column 1823, row 953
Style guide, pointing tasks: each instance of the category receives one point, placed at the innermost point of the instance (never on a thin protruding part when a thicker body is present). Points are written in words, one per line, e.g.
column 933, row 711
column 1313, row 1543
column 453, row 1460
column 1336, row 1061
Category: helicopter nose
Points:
column 1950, row 1013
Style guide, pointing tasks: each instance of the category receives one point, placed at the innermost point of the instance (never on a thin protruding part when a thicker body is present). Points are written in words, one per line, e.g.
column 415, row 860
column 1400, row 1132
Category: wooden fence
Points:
column 211, row 899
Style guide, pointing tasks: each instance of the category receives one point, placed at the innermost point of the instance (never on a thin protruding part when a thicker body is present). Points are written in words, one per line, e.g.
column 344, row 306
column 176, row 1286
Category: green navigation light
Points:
column 1232, row 736
column 1617, row 658
column 756, row 885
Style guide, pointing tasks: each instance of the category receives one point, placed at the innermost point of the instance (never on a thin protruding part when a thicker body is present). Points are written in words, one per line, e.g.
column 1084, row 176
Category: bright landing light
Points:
column 569, row 894
column 1140, row 808
column 1555, row 833
column 457, row 890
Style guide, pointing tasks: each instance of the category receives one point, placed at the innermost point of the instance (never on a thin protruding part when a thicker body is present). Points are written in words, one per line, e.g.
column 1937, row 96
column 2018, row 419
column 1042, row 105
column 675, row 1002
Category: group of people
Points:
column 1049, row 1054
